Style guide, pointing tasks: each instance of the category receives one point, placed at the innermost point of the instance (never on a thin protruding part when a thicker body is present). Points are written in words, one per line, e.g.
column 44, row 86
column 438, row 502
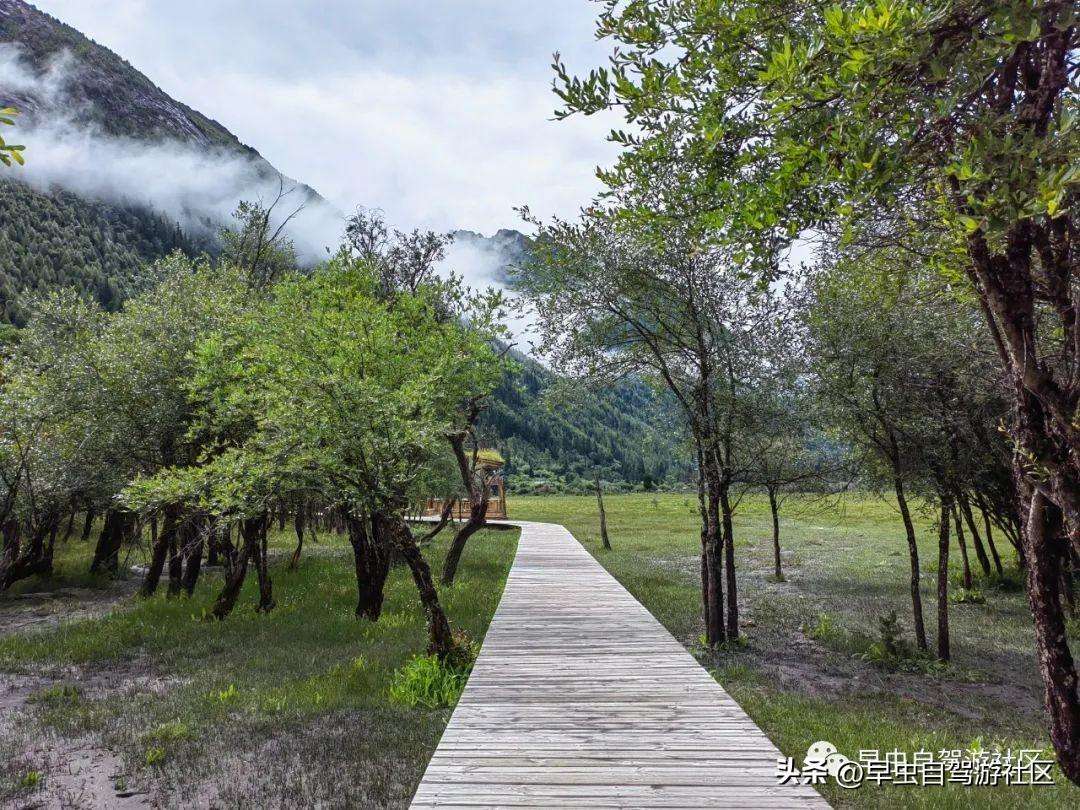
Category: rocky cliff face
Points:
column 93, row 85
column 53, row 73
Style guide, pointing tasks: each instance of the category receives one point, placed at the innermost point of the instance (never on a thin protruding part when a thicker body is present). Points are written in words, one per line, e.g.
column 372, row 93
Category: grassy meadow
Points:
column 283, row 710
column 803, row 674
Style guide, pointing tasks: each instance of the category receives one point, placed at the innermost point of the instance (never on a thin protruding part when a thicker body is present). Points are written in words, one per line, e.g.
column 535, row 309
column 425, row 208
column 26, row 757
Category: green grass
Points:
column 845, row 560
column 305, row 689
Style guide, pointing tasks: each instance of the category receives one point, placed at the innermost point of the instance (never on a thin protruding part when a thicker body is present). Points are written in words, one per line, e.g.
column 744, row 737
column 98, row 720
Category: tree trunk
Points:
column 234, row 578
column 603, row 516
column 176, row 558
column 88, row 524
column 159, row 551
column 1046, row 544
column 441, row 639
column 976, row 540
column 262, row 569
column 298, row 527
column 225, row 547
column 212, row 541
column 70, row 525
column 10, row 552
column 107, row 552
column 478, row 506
column 371, row 557
column 729, row 562
column 715, row 630
column 193, row 554
column 444, row 519
column 962, row 542
column 913, row 556
column 774, row 507
column 943, row 581
column 35, row 560
column 990, row 542
column 706, row 610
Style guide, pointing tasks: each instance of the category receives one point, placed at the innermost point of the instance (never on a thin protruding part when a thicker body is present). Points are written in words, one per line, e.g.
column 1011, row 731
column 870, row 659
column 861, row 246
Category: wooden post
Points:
column 603, row 515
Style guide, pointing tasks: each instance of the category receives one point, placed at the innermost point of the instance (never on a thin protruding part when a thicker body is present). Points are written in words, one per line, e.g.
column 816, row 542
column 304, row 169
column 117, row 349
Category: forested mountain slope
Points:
column 621, row 434
column 59, row 239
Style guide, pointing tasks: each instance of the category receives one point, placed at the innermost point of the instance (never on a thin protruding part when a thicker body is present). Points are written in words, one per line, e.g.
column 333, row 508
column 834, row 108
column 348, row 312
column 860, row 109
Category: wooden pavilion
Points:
column 490, row 462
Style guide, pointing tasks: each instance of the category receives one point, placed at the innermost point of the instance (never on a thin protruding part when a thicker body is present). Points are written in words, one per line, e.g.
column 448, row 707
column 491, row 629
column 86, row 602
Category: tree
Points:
column 404, row 263
column 668, row 305
column 258, row 245
column 326, row 388
column 603, row 515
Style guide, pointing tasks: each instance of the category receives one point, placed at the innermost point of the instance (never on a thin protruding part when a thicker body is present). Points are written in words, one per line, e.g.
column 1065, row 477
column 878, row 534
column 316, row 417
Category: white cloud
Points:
column 196, row 187
column 436, row 111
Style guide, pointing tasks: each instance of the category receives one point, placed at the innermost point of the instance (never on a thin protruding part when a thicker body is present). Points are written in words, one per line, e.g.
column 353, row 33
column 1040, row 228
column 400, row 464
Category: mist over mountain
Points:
column 102, row 130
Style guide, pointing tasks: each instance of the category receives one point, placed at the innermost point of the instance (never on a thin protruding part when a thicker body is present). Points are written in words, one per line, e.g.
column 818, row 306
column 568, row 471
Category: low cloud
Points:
column 195, row 186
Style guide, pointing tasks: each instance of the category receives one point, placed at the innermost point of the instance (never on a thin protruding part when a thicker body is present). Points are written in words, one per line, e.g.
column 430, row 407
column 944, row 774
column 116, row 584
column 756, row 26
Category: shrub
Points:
column 892, row 651
column 59, row 695
column 822, row 629
column 31, row 780
column 168, row 732
column 155, row 755
column 429, row 682
column 226, row 695
column 964, row 596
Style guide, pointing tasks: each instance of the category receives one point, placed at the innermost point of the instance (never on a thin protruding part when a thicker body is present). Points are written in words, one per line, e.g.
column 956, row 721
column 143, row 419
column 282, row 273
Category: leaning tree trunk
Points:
column 253, row 531
column 913, row 556
column 298, row 527
column 160, row 550
column 943, row 582
column 441, row 639
column 440, row 524
column 371, row 558
column 476, row 484
column 962, row 542
column 976, row 539
column 603, row 516
column 234, row 578
column 774, row 507
column 990, row 542
column 1046, row 544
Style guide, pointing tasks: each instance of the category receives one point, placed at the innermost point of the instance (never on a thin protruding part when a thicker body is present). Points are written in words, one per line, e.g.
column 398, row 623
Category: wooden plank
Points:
column 580, row 698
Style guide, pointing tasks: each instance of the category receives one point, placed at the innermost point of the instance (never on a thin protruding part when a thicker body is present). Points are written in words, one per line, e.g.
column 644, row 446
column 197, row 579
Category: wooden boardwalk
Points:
column 581, row 698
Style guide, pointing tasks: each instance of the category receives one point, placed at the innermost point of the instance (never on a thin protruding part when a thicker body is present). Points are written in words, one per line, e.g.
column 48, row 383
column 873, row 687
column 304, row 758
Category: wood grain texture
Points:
column 580, row 698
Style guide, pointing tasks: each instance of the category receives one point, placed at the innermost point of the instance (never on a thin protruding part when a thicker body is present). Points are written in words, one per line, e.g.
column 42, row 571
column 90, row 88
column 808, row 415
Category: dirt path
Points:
column 73, row 773
column 24, row 612
column 70, row 773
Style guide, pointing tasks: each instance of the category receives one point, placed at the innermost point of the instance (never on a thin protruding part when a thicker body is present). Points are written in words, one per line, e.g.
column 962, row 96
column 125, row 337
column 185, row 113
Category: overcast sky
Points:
column 436, row 111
